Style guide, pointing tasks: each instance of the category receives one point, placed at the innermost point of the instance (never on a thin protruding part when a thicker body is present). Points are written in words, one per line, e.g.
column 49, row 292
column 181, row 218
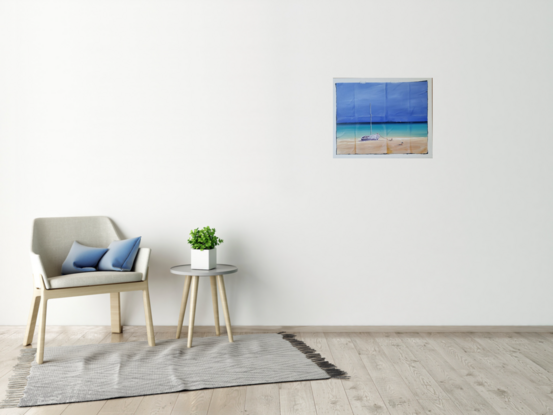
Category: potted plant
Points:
column 204, row 253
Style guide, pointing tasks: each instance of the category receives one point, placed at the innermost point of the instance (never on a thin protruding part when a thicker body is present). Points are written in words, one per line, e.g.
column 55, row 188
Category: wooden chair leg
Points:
column 115, row 306
column 223, row 293
column 193, row 298
column 42, row 330
column 215, row 304
column 31, row 324
column 149, row 321
column 183, row 304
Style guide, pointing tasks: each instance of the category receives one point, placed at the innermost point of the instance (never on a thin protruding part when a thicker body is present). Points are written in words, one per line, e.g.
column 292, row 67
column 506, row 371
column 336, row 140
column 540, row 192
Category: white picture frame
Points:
column 429, row 154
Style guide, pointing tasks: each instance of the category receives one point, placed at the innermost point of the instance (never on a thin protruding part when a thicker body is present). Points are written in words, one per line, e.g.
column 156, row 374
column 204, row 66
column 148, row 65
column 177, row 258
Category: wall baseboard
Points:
column 374, row 329
column 336, row 329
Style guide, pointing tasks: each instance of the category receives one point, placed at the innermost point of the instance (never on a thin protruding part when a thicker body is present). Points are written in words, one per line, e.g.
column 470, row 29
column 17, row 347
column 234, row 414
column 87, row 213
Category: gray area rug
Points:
column 105, row 371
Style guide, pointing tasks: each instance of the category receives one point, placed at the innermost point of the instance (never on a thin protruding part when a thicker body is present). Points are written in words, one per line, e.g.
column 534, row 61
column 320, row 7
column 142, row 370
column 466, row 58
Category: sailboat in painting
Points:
column 372, row 136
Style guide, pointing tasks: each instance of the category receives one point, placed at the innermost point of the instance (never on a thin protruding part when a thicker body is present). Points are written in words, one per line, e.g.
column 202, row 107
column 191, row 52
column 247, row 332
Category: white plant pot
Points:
column 206, row 259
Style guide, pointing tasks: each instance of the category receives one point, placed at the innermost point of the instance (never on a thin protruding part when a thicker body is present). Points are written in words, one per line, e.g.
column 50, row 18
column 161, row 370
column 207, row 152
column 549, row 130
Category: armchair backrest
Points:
column 53, row 237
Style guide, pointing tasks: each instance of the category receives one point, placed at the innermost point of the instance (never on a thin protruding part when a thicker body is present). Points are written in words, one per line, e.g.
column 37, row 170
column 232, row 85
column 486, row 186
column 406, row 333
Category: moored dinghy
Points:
column 370, row 137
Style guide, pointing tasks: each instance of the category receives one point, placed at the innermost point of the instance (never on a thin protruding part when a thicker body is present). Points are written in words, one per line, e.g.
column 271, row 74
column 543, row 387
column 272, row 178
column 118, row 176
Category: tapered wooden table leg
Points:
column 193, row 298
column 223, row 293
column 183, row 304
column 215, row 304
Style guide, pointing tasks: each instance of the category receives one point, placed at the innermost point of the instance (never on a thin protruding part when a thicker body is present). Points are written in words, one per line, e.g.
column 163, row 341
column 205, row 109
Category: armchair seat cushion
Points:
column 93, row 278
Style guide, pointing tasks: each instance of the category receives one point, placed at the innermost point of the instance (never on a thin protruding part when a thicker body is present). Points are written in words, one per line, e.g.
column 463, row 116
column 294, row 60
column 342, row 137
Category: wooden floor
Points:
column 391, row 373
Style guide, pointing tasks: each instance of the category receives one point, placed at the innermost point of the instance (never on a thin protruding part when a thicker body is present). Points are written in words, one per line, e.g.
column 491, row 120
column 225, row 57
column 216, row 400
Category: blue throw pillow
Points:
column 82, row 258
column 120, row 255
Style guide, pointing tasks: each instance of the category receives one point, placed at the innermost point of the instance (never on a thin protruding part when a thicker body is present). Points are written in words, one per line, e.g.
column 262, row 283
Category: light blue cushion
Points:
column 120, row 255
column 82, row 258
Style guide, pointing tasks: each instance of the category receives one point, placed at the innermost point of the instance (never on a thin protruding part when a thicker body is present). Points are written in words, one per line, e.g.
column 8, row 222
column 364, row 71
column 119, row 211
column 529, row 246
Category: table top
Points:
column 221, row 269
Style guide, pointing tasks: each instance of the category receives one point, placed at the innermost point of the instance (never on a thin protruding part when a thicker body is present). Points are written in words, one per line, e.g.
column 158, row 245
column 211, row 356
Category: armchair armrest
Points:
column 39, row 274
column 142, row 261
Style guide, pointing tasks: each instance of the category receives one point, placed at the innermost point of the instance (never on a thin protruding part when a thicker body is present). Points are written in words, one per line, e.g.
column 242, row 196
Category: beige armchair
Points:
column 51, row 242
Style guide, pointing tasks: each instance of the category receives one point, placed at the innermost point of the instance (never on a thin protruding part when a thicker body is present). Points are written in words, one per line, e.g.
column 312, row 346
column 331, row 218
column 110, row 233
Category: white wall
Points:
column 171, row 115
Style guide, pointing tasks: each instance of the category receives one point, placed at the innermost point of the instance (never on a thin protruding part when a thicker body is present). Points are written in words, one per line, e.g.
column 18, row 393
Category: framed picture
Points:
column 382, row 117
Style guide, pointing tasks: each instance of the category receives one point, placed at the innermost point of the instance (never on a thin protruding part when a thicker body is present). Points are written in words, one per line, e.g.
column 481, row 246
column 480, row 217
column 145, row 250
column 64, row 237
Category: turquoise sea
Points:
column 385, row 129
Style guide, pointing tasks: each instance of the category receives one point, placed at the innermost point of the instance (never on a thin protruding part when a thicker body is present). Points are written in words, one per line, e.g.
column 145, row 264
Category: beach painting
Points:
column 383, row 117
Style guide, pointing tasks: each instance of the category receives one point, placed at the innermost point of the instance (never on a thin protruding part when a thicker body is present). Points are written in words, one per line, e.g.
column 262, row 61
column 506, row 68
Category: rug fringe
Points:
column 315, row 357
column 18, row 381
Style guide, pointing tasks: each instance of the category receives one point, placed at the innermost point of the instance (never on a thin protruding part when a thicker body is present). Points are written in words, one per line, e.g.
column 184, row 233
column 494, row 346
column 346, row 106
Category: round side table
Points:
column 193, row 277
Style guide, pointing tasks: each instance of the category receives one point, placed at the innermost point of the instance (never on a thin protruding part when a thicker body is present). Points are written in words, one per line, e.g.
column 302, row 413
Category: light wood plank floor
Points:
column 391, row 373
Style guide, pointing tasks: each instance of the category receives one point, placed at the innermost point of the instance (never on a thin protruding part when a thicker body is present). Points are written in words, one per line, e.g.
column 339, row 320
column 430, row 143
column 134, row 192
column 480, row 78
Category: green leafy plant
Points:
column 204, row 238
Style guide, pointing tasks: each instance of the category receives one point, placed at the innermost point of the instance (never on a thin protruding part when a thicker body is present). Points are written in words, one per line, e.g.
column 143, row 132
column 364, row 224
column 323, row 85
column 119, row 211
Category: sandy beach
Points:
column 396, row 145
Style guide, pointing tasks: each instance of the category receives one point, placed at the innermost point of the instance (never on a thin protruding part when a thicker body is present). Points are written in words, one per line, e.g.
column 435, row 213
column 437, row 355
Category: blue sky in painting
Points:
column 391, row 102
